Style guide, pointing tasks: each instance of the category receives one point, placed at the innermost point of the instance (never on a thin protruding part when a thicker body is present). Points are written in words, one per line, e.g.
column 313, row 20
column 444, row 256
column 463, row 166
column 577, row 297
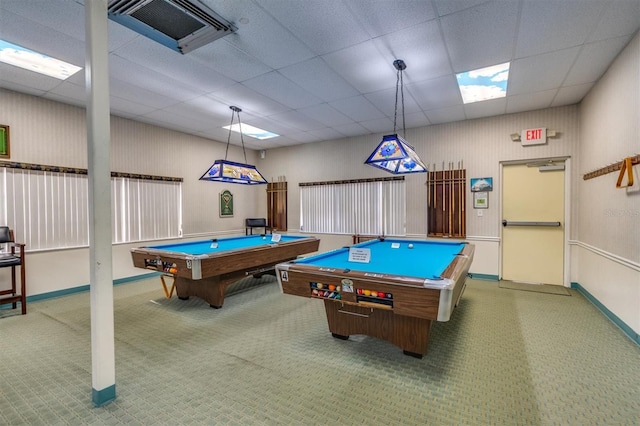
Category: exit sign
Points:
column 534, row 136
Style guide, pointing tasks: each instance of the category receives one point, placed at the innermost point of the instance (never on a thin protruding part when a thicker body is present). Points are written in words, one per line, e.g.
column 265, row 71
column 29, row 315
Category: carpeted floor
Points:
column 505, row 358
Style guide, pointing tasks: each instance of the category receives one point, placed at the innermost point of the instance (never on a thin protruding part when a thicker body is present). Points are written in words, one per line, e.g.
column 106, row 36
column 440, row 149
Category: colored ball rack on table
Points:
column 327, row 291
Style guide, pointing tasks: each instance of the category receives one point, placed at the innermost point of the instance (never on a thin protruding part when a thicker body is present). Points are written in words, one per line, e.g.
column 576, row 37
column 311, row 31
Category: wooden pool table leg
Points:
column 411, row 334
column 211, row 290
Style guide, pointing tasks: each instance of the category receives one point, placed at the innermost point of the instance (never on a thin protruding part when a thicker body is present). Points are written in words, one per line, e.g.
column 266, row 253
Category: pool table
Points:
column 205, row 268
column 391, row 289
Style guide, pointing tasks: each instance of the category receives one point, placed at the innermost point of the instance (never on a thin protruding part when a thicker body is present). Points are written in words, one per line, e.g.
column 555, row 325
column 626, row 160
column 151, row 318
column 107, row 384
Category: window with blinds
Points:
column 48, row 209
column 364, row 206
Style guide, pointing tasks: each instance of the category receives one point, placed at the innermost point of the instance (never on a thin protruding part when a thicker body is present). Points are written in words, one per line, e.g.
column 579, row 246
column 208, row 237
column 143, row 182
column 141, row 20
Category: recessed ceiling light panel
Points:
column 19, row 56
column 484, row 83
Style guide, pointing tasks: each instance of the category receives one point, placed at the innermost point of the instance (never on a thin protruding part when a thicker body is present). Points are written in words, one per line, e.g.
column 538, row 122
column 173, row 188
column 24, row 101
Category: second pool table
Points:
column 392, row 289
column 205, row 268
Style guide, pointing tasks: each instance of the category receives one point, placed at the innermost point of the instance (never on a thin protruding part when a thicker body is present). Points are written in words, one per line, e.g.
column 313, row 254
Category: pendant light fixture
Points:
column 394, row 154
column 232, row 172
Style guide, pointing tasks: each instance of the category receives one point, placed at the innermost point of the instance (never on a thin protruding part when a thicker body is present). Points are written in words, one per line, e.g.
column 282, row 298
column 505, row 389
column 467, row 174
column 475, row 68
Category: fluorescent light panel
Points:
column 18, row 56
column 484, row 83
column 254, row 132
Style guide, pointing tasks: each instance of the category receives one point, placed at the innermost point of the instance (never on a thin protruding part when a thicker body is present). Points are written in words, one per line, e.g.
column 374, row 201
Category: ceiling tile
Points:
column 530, row 101
column 358, row 108
column 548, row 25
column 343, row 29
column 569, row 95
column 541, row 72
column 485, row 109
column 363, row 67
column 594, row 59
column 390, row 16
column 446, row 115
column 317, row 78
column 275, row 86
column 437, row 93
column 472, row 44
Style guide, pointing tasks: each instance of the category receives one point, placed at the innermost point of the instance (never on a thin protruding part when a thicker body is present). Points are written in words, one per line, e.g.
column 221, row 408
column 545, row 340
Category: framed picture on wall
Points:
column 4, row 141
column 481, row 200
column 226, row 203
column 481, row 184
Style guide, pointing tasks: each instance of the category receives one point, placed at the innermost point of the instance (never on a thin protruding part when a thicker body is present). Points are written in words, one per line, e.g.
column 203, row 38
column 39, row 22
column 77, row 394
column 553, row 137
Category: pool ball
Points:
column 319, row 285
column 410, row 245
column 389, row 296
column 359, row 291
column 332, row 287
column 315, row 292
column 366, row 292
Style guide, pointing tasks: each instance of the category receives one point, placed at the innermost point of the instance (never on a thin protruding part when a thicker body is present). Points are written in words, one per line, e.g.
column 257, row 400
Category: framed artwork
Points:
column 226, row 203
column 481, row 200
column 481, row 184
column 4, row 141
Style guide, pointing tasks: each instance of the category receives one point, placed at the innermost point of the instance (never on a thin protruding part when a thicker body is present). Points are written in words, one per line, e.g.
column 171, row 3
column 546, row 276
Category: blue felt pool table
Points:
column 392, row 289
column 205, row 268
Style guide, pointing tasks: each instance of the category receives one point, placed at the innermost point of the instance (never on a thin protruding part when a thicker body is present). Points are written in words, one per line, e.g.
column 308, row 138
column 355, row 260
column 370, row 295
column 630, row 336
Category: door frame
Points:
column 567, row 210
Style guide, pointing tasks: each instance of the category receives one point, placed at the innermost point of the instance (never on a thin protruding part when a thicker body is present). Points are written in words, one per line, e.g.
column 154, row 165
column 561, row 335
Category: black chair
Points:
column 255, row 223
column 13, row 256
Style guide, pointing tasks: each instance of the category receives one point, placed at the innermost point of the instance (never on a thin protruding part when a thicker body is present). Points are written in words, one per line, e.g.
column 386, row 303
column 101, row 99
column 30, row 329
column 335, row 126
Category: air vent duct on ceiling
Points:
column 182, row 25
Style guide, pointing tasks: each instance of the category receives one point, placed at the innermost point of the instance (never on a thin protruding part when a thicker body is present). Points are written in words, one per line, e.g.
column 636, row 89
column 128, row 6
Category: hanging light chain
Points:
column 395, row 114
column 237, row 111
column 404, row 125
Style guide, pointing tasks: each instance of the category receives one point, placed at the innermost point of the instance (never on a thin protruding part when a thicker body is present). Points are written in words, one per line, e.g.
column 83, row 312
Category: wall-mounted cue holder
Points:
column 625, row 168
column 446, row 202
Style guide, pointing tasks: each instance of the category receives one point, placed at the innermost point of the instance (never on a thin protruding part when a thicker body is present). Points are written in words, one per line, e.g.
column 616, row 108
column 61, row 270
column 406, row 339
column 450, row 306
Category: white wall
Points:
column 607, row 250
column 50, row 133
column 480, row 145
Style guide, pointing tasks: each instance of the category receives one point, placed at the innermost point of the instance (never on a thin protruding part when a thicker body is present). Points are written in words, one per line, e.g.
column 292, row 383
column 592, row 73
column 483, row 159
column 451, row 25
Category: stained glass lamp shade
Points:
column 396, row 156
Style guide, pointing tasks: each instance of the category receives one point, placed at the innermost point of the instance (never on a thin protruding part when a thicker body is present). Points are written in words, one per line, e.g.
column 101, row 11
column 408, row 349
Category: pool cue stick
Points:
column 428, row 191
column 451, row 198
column 464, row 195
column 452, row 231
column 460, row 199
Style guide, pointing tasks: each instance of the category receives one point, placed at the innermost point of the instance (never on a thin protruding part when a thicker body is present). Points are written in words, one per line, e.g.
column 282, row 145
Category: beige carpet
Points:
column 265, row 358
column 537, row 288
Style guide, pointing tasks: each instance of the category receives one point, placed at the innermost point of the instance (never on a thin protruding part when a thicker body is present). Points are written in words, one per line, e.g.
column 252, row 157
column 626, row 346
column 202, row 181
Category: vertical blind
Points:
column 49, row 209
column 367, row 207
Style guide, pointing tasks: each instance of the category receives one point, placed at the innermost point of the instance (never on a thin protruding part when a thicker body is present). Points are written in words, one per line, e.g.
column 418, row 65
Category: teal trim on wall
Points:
column 80, row 289
column 104, row 396
column 485, row 277
column 617, row 321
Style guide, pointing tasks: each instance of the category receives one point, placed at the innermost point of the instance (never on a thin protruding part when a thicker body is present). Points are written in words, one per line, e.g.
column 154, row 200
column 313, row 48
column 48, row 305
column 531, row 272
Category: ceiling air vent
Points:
column 178, row 24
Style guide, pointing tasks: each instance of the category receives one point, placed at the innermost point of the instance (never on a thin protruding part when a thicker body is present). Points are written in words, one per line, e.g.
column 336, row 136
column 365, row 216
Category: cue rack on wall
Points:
column 277, row 204
column 446, row 202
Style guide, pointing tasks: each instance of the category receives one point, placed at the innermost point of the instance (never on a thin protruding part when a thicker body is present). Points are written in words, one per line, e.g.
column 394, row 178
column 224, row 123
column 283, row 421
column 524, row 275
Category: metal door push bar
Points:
column 518, row 223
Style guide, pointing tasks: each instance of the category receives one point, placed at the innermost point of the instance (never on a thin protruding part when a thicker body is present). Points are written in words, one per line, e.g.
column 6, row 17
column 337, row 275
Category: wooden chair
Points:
column 10, row 258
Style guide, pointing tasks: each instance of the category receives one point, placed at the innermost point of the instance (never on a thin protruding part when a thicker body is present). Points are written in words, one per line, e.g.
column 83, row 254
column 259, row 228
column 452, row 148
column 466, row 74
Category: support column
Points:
column 99, row 166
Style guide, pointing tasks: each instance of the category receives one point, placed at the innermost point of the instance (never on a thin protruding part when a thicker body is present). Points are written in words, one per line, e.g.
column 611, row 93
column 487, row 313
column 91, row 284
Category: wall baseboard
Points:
column 486, row 277
column 635, row 337
column 80, row 289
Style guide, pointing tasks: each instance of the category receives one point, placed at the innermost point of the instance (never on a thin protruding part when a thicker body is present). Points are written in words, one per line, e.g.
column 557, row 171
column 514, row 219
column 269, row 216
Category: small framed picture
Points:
column 226, row 203
column 481, row 200
column 4, row 141
column 481, row 184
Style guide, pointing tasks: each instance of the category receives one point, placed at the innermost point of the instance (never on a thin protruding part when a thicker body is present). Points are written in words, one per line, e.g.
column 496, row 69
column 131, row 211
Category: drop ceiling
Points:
column 316, row 70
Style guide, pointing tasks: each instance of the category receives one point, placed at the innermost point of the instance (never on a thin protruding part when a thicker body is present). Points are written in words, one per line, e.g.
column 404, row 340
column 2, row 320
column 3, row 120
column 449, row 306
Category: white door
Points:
column 533, row 224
